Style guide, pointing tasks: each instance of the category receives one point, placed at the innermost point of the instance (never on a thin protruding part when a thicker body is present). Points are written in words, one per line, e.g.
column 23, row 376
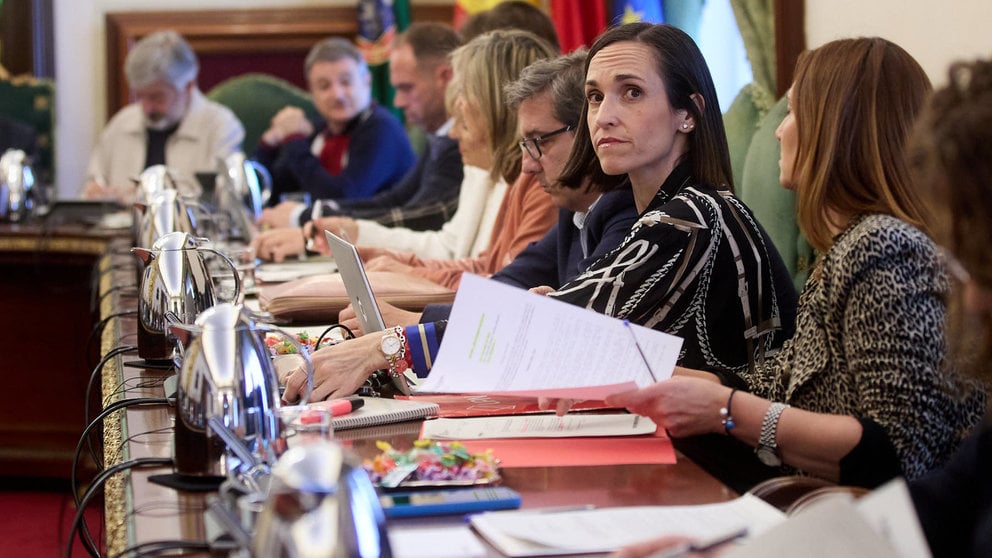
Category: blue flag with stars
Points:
column 376, row 31
column 632, row 11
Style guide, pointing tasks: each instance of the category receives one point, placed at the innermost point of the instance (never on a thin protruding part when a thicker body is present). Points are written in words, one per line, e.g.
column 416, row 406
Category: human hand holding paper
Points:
column 501, row 339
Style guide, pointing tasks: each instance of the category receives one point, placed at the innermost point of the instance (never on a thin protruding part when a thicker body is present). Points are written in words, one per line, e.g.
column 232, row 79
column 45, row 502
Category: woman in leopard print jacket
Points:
column 861, row 393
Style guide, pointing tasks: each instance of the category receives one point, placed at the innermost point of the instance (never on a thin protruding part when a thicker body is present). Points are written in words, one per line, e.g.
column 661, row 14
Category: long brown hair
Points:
column 684, row 72
column 854, row 102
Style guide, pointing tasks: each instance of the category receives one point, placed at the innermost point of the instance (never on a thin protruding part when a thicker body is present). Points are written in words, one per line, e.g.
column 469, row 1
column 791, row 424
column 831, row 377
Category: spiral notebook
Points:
column 378, row 411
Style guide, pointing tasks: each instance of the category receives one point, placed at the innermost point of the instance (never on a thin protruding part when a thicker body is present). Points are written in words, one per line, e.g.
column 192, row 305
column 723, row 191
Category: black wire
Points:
column 116, row 405
column 110, row 409
column 80, row 520
column 98, row 327
column 89, row 386
column 119, row 454
column 112, row 290
column 155, row 548
column 351, row 334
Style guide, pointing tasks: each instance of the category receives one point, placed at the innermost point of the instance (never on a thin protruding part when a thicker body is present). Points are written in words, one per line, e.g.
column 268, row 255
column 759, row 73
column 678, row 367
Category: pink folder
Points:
column 564, row 452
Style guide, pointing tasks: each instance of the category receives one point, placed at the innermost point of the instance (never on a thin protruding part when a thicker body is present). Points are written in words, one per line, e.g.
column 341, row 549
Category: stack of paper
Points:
column 536, row 533
column 504, row 340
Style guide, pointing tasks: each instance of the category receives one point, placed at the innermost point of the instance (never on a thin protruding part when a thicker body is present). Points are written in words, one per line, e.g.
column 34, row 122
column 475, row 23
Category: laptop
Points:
column 356, row 283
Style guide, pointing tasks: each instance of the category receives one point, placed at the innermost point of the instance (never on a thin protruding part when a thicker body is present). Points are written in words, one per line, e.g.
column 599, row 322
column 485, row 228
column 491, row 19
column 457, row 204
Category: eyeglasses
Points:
column 533, row 145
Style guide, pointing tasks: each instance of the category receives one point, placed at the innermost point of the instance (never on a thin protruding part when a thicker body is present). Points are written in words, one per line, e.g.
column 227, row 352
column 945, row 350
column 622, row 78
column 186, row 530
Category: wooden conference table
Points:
column 47, row 289
column 139, row 511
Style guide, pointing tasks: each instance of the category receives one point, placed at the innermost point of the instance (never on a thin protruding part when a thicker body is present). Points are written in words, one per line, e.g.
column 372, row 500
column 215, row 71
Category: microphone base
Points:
column 151, row 364
column 188, row 483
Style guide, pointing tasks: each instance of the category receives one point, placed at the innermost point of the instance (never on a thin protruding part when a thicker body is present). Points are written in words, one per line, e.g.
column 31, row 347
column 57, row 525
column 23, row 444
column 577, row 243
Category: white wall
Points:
column 935, row 33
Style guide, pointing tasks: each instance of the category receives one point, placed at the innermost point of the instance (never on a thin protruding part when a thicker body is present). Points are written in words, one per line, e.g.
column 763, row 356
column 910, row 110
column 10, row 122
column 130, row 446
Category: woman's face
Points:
column 633, row 126
column 788, row 137
column 469, row 130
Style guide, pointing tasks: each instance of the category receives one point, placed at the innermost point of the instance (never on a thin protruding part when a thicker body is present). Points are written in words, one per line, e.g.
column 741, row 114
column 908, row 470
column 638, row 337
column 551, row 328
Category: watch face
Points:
column 768, row 456
column 390, row 345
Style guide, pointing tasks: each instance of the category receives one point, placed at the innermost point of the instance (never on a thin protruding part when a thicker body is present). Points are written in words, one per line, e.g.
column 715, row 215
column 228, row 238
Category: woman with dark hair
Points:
column 696, row 263
column 861, row 393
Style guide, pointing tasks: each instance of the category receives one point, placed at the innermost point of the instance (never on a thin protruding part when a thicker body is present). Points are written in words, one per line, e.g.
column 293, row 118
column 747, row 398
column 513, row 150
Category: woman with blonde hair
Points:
column 861, row 393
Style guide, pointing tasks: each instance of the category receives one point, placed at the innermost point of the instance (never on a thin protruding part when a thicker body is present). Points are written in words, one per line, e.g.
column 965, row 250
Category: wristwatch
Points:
column 767, row 450
column 393, row 347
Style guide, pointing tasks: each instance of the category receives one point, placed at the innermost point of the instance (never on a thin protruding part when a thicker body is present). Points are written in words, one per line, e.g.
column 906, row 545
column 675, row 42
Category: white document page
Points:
column 881, row 524
column 523, row 533
column 889, row 510
column 829, row 529
column 442, row 541
column 537, row 426
column 501, row 339
column 272, row 272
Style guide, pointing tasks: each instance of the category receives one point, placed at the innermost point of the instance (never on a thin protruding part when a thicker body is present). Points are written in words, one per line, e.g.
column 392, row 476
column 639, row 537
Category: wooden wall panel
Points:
column 227, row 40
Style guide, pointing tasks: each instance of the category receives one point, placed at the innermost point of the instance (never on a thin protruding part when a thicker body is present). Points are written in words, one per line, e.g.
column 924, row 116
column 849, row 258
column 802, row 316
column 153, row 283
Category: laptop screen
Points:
column 356, row 283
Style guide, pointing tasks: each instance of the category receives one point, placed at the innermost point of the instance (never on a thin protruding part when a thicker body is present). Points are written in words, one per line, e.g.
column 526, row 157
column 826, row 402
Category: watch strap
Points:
column 397, row 361
column 769, row 426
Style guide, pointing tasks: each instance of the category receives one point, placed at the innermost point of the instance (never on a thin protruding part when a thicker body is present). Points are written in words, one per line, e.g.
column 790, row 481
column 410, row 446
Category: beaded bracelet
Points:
column 727, row 418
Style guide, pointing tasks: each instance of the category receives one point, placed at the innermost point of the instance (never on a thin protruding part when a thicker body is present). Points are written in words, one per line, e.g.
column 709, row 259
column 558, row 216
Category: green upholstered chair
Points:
column 31, row 101
column 255, row 98
column 773, row 205
column 741, row 122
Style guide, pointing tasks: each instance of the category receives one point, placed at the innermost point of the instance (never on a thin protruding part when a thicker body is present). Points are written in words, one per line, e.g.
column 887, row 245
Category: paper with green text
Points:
column 501, row 339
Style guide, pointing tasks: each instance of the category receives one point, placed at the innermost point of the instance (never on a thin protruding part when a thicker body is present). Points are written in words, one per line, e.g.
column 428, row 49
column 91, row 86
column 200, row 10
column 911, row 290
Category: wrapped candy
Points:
column 432, row 461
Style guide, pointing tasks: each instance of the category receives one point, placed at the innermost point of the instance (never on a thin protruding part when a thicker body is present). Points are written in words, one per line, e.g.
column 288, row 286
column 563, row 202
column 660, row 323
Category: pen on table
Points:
column 700, row 546
column 315, row 214
column 639, row 350
column 339, row 407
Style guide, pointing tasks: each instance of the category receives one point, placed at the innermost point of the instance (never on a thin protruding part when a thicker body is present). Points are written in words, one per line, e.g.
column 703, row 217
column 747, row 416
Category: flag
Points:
column 578, row 23
column 632, row 11
column 378, row 23
column 465, row 9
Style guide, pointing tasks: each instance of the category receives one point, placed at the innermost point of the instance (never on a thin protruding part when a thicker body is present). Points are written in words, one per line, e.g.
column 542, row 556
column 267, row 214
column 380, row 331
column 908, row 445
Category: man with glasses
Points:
column 549, row 97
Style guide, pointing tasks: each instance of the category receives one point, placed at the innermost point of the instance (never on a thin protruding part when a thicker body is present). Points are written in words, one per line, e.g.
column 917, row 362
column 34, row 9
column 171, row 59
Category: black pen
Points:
column 700, row 546
column 638, row 345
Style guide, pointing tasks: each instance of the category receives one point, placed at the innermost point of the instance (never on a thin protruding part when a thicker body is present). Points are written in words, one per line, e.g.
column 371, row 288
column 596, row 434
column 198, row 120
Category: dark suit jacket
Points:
column 955, row 503
column 558, row 257
column 424, row 199
column 379, row 154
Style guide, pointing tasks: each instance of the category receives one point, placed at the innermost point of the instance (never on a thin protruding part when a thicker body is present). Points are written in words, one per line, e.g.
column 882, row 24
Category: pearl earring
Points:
column 685, row 125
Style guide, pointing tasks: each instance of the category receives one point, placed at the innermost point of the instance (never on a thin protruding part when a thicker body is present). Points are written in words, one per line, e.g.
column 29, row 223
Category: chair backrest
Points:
column 31, row 101
column 741, row 122
column 782, row 492
column 773, row 205
column 255, row 98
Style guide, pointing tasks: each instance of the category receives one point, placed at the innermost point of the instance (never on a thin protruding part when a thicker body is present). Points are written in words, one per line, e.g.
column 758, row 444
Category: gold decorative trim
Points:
column 59, row 244
column 115, row 451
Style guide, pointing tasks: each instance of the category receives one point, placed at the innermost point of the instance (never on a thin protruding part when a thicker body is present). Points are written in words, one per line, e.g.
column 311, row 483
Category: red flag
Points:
column 578, row 23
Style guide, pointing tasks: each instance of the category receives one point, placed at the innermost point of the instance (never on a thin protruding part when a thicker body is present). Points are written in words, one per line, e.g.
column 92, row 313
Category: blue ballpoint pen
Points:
column 639, row 350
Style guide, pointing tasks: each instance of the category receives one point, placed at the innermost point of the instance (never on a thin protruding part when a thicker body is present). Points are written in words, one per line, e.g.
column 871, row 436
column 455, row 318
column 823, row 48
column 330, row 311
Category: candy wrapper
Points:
column 430, row 463
column 278, row 345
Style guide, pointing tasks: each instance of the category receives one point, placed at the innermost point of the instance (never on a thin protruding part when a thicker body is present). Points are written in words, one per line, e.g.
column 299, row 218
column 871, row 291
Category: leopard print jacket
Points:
column 870, row 343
